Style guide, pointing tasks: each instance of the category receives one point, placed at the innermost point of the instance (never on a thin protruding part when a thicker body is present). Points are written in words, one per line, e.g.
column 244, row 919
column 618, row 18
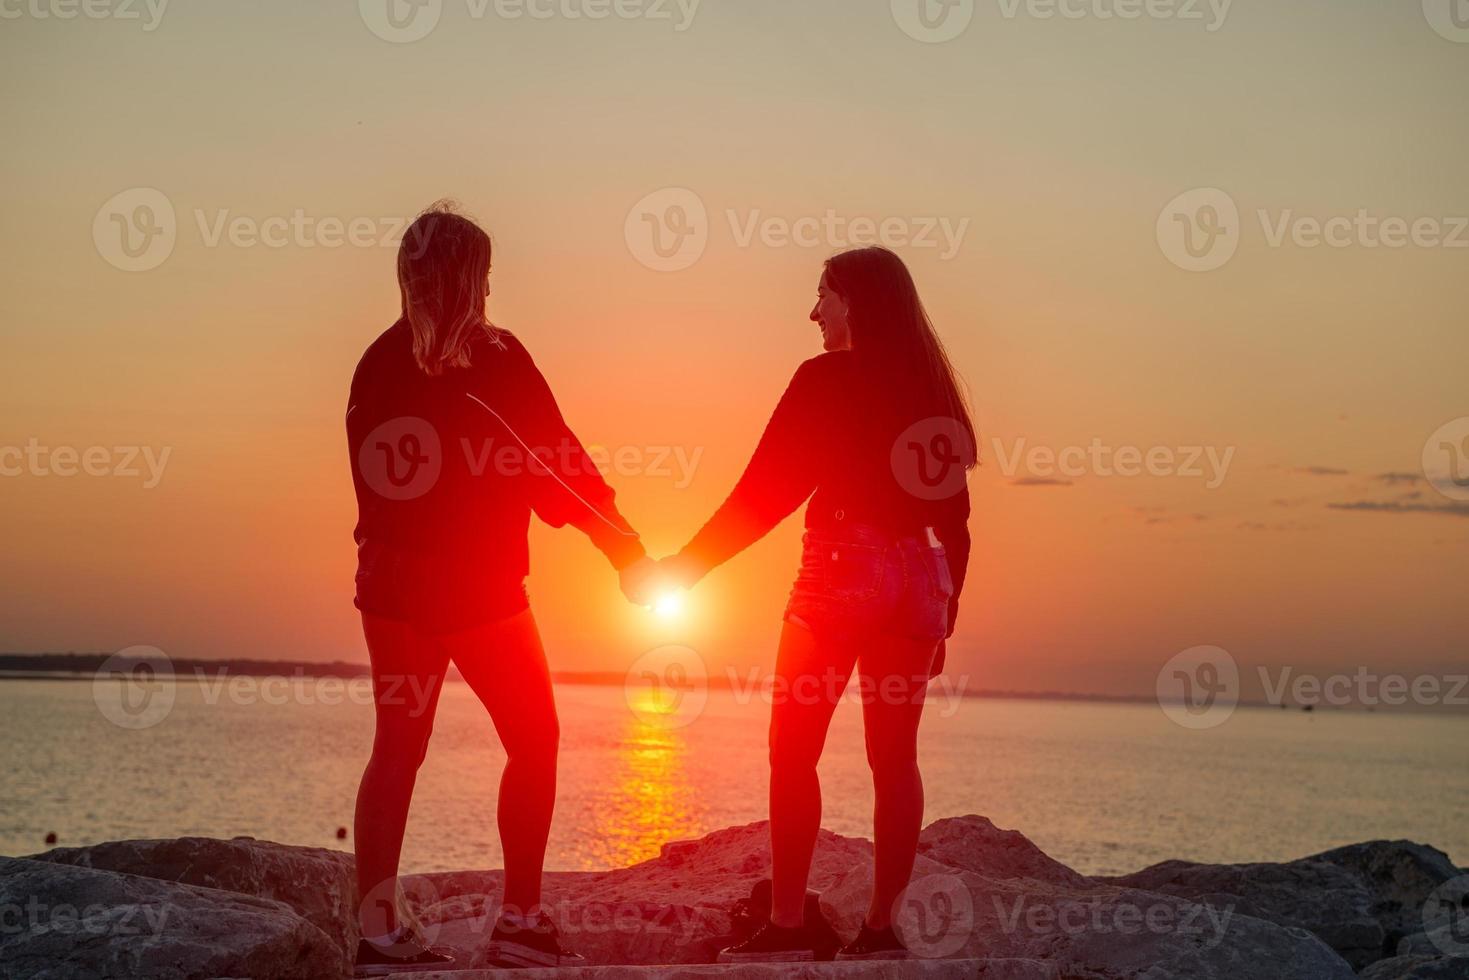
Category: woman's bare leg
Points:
column 893, row 682
column 407, row 675
column 505, row 665
column 810, row 678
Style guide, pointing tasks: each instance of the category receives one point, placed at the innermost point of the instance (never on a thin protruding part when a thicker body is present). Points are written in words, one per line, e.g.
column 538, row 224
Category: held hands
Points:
column 646, row 581
column 638, row 581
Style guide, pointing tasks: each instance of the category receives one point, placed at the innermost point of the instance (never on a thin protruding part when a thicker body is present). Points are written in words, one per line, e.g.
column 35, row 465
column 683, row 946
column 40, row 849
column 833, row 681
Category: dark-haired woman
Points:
column 877, row 434
column 455, row 440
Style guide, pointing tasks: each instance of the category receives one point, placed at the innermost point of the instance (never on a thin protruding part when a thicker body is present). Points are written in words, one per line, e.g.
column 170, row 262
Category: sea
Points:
column 1106, row 788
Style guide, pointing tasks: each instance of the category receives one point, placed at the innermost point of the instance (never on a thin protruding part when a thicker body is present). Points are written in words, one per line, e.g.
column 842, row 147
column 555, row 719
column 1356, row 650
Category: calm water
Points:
column 1104, row 788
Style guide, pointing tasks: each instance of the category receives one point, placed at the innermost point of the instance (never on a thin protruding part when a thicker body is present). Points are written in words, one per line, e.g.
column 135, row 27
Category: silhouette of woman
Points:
column 876, row 432
column 455, row 440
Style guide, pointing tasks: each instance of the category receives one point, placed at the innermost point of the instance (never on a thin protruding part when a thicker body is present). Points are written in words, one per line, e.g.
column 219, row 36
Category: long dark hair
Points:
column 897, row 350
column 442, row 267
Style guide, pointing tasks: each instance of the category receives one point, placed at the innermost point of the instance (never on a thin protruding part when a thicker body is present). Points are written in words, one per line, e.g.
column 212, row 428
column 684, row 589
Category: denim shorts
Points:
column 859, row 579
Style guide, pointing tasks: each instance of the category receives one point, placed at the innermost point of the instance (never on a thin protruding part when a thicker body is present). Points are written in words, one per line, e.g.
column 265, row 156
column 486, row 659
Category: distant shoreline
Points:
column 84, row 667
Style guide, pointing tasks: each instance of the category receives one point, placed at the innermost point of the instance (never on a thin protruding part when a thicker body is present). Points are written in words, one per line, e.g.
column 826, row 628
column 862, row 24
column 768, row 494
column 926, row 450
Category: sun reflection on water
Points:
column 648, row 801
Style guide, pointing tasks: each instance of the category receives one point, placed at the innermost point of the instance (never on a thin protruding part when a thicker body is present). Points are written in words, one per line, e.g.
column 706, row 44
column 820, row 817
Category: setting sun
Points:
column 669, row 606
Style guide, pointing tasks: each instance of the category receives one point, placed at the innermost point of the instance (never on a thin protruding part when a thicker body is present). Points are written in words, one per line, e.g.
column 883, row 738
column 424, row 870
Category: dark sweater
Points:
column 832, row 441
column 463, row 521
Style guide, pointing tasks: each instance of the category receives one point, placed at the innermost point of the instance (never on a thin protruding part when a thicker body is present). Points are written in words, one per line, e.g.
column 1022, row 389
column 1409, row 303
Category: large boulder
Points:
column 318, row 884
column 1361, row 900
column 1399, row 875
column 973, row 843
column 1326, row 900
column 75, row 923
column 1091, row 932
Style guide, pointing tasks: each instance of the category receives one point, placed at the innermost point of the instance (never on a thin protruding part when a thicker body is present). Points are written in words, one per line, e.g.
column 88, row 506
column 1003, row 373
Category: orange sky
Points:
column 1053, row 143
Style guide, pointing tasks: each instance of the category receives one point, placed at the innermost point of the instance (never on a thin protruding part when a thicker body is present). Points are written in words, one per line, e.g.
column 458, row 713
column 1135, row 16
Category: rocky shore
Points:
column 985, row 903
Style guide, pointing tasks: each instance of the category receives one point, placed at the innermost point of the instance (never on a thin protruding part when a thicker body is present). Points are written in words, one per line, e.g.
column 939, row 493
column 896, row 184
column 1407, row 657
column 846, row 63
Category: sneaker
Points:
column 875, row 944
column 538, row 945
column 404, row 953
column 772, row 944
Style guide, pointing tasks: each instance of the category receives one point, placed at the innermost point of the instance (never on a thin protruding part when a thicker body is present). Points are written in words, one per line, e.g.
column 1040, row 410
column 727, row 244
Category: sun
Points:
column 669, row 606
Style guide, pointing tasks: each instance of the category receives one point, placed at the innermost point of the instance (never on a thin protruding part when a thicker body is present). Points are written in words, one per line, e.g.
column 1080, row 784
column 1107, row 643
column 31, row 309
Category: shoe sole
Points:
column 516, row 956
column 794, row 956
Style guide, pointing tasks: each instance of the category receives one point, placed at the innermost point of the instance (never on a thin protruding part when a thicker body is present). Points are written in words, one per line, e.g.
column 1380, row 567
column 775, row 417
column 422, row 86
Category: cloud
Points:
column 1399, row 479
column 1262, row 526
column 1161, row 516
column 1399, row 507
column 1040, row 481
column 1322, row 471
column 1293, row 502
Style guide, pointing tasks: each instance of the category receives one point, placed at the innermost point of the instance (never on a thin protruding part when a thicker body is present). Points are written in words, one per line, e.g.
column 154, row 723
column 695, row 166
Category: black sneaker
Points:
column 537, row 945
column 405, row 953
column 772, row 944
column 875, row 944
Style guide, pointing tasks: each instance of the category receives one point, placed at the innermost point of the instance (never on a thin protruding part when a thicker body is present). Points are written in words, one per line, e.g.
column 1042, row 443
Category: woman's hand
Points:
column 639, row 581
column 680, row 572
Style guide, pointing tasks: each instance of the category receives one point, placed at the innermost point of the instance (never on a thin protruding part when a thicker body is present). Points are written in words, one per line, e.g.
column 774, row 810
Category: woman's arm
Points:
column 780, row 476
column 953, row 533
column 565, row 484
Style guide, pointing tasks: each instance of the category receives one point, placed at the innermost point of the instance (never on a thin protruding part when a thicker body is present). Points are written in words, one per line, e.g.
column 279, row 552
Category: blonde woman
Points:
column 455, row 441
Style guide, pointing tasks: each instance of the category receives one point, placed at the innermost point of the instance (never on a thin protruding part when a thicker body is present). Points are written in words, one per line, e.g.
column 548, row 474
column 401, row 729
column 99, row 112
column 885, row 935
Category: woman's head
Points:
column 867, row 303
column 443, row 274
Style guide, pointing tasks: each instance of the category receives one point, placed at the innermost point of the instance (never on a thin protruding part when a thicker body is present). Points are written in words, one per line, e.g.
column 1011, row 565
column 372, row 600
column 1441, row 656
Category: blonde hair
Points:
column 442, row 267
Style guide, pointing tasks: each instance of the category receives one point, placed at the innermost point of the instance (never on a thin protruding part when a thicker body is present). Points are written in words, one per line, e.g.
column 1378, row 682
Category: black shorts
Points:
column 437, row 596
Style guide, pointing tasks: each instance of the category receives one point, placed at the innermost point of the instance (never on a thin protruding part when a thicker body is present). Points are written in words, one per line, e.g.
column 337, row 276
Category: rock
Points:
column 1400, row 875
column 1094, row 932
column 1441, row 942
column 82, row 924
column 674, row 908
column 318, row 884
column 1360, row 900
column 877, row 970
column 1328, row 901
column 973, row 843
column 985, row 903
